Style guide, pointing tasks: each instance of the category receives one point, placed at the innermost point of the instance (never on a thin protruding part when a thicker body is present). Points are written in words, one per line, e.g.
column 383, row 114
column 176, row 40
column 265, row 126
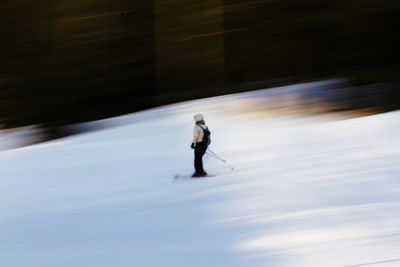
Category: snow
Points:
column 19, row 137
column 304, row 192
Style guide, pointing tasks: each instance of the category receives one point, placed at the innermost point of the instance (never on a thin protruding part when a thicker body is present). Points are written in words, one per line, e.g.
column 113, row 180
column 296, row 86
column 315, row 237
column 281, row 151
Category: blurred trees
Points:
column 311, row 39
column 68, row 61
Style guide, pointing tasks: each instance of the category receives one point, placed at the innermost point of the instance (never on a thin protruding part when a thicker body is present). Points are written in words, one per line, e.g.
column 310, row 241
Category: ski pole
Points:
column 213, row 154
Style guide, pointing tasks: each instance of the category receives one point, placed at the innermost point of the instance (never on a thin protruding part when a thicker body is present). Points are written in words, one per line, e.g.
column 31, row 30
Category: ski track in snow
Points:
column 303, row 193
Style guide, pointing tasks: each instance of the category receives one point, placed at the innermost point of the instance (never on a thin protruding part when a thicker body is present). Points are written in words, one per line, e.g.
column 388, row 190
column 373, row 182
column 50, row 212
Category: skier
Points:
column 201, row 140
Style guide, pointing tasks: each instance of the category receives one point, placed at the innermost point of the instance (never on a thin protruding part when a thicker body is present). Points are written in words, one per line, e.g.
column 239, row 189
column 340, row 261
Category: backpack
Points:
column 206, row 137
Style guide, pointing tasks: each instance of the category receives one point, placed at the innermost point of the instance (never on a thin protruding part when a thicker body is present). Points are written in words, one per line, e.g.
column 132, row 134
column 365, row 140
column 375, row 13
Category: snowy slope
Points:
column 303, row 193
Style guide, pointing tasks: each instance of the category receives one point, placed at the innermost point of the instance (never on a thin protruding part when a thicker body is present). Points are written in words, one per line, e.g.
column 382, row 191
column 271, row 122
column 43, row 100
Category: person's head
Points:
column 199, row 119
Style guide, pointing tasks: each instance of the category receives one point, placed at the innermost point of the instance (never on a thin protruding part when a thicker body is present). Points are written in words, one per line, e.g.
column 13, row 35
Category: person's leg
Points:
column 199, row 152
column 203, row 151
column 198, row 164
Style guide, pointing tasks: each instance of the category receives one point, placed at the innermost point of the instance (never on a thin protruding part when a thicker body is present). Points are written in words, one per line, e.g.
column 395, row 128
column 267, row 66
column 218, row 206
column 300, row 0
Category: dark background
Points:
column 70, row 61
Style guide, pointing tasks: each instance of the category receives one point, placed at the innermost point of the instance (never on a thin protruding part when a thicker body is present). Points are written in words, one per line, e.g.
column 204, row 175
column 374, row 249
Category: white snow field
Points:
column 304, row 192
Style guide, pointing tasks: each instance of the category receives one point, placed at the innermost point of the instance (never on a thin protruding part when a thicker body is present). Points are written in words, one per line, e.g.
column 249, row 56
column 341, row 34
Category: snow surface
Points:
column 303, row 193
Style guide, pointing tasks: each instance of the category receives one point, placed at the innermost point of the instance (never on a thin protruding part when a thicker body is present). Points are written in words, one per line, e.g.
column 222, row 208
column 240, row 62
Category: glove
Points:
column 192, row 145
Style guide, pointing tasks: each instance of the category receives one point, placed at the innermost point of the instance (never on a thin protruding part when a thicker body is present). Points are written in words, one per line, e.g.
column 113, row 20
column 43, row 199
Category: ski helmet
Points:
column 198, row 117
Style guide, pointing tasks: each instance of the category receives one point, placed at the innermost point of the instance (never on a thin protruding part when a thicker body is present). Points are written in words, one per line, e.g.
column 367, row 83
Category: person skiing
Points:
column 201, row 140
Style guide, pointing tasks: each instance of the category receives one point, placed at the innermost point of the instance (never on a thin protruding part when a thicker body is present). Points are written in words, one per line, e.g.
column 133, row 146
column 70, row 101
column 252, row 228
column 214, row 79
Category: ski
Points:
column 189, row 176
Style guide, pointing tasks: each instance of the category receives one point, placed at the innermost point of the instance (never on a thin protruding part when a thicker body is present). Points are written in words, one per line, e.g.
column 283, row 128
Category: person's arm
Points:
column 196, row 136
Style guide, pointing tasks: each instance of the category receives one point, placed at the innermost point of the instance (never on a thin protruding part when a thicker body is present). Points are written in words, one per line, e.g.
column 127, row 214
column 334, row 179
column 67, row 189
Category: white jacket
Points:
column 198, row 133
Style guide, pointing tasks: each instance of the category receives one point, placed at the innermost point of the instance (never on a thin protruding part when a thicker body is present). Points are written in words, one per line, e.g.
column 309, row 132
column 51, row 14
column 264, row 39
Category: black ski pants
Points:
column 199, row 152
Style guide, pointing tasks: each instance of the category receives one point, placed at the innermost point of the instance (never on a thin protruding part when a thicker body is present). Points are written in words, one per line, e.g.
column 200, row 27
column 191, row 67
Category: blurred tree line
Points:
column 67, row 61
